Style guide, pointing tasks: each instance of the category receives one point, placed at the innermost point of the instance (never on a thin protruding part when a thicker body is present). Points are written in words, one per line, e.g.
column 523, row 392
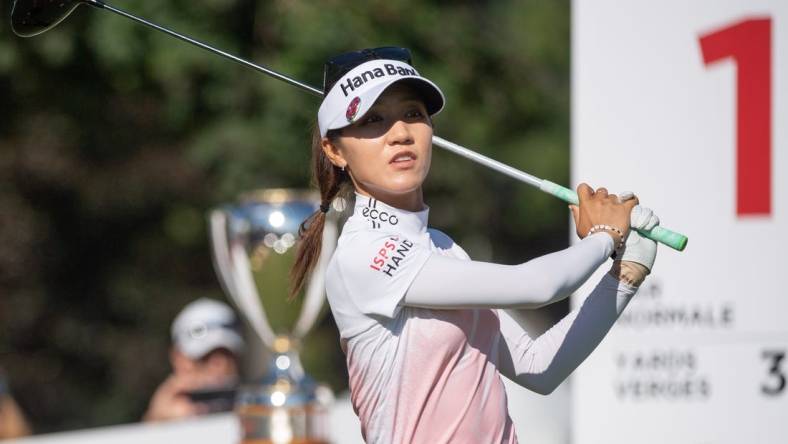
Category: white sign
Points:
column 686, row 103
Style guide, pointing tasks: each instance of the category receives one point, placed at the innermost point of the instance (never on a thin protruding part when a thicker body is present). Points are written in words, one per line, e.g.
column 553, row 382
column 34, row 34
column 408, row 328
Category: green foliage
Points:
column 116, row 141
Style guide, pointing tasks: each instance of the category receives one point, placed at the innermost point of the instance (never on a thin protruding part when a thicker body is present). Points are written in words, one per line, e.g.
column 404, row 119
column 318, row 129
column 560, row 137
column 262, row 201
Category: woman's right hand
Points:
column 600, row 208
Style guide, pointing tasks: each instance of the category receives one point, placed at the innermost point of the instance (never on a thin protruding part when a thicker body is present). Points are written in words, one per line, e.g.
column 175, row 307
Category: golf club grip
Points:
column 672, row 239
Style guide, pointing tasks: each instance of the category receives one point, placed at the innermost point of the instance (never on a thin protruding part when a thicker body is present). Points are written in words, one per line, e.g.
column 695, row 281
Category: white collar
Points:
column 376, row 215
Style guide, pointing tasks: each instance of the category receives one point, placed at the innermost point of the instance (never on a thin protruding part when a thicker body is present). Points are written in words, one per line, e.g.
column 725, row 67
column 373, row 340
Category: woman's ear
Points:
column 333, row 153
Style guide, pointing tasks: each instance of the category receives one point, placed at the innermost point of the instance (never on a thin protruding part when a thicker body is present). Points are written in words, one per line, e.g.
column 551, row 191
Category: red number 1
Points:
column 749, row 43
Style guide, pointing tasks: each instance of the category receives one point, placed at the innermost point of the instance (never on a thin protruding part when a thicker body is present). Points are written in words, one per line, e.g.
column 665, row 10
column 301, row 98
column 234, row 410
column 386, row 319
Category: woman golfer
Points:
column 422, row 325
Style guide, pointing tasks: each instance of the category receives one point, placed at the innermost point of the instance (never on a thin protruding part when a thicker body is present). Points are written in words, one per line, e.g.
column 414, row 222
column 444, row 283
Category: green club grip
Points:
column 672, row 239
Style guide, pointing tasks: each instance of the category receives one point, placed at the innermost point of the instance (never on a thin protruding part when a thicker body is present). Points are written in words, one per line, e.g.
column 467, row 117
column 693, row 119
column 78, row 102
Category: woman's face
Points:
column 388, row 151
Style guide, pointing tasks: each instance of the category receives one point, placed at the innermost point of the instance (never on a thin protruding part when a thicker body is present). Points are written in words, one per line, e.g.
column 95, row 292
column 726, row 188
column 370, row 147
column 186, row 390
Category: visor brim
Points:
column 432, row 96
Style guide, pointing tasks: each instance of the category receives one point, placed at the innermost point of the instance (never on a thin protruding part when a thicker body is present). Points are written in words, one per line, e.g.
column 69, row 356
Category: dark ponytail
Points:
column 332, row 182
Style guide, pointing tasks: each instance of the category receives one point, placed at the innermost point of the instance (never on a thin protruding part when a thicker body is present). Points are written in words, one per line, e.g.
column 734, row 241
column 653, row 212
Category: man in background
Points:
column 12, row 421
column 205, row 359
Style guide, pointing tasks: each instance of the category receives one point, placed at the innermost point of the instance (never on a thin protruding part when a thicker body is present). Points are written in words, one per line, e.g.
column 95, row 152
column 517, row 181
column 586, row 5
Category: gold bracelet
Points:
column 601, row 228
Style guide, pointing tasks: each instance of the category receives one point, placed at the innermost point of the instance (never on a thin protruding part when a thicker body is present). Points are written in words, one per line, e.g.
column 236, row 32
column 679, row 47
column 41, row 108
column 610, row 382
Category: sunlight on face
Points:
column 388, row 150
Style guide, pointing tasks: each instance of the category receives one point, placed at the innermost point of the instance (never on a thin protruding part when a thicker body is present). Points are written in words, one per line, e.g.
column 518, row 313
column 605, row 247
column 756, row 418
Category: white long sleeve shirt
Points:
column 426, row 335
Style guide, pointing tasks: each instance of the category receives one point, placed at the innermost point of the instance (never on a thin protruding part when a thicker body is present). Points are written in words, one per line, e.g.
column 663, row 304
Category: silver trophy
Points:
column 254, row 246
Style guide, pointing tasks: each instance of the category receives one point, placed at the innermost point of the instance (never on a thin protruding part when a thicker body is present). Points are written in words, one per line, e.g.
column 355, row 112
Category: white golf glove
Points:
column 642, row 218
column 637, row 248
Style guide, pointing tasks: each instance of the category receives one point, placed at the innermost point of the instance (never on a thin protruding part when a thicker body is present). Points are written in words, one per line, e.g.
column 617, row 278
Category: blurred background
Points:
column 116, row 140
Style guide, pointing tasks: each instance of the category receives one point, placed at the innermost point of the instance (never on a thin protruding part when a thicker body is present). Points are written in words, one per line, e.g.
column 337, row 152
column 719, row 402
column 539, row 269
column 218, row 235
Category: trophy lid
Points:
column 276, row 211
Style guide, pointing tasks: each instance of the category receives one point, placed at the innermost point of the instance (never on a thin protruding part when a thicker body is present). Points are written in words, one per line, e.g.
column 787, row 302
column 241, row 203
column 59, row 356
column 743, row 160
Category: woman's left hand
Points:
column 641, row 218
column 637, row 248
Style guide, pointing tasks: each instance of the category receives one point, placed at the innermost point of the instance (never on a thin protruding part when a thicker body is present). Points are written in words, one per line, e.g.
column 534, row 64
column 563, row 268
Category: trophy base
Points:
column 294, row 425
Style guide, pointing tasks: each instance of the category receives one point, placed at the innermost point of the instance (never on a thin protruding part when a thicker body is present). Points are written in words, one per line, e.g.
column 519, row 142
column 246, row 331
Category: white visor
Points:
column 355, row 93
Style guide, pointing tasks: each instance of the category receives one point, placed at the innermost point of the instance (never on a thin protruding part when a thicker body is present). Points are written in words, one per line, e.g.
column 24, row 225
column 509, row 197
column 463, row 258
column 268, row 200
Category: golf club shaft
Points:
column 672, row 239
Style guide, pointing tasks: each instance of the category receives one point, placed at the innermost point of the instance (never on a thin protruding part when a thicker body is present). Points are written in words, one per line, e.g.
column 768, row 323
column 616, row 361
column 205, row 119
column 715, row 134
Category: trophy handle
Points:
column 233, row 268
column 315, row 291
